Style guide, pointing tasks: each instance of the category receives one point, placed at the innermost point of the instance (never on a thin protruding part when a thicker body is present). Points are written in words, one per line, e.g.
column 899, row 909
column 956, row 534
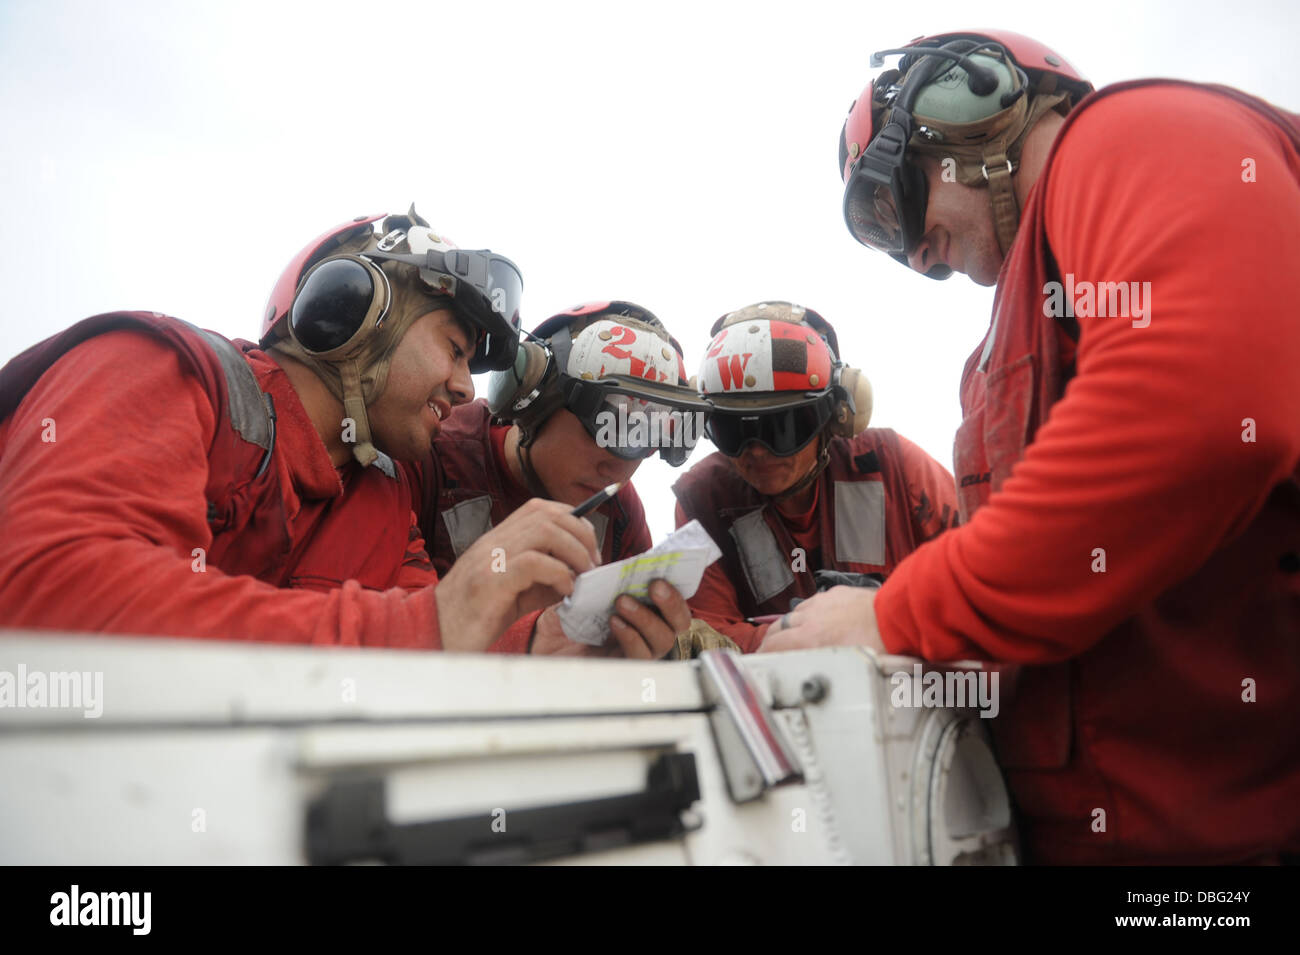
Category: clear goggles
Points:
column 633, row 418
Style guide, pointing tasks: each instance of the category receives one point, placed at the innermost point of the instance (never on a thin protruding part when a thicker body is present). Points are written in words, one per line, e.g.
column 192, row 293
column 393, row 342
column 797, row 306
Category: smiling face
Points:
column 768, row 474
column 569, row 463
column 959, row 228
column 429, row 373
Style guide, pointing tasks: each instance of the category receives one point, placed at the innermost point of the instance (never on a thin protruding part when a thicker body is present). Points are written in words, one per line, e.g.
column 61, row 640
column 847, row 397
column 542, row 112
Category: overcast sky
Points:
column 174, row 156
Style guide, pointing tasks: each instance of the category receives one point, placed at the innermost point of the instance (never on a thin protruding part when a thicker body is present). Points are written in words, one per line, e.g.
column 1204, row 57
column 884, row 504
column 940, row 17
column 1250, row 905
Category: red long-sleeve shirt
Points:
column 101, row 524
column 1144, row 455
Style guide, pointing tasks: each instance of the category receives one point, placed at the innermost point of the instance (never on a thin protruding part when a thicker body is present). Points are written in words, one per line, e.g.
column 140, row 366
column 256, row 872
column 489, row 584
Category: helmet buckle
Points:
column 389, row 242
column 984, row 170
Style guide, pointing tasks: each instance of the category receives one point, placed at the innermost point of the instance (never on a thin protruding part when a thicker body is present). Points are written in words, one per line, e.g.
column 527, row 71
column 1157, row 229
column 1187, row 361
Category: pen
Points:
column 597, row 499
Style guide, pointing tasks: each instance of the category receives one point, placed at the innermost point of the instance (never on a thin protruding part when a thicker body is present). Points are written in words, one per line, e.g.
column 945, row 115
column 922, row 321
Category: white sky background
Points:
column 173, row 157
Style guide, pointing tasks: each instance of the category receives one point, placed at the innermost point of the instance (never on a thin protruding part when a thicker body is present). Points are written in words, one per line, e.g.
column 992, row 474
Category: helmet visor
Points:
column 485, row 288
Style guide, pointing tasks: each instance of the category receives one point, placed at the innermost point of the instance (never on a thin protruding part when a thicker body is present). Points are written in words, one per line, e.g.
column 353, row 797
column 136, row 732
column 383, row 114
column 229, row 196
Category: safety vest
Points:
column 469, row 494
column 1070, row 735
column 864, row 520
column 362, row 536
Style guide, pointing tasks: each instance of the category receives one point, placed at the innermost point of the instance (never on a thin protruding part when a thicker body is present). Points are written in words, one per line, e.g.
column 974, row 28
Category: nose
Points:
column 755, row 453
column 922, row 258
column 460, row 386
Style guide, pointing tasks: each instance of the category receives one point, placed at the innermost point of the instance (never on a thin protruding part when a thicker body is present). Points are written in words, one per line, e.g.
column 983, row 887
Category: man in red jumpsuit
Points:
column 158, row 479
column 799, row 484
column 540, row 435
column 1128, row 462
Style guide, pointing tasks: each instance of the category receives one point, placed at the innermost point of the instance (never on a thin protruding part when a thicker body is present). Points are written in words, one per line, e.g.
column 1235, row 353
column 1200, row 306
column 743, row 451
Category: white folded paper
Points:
column 680, row 558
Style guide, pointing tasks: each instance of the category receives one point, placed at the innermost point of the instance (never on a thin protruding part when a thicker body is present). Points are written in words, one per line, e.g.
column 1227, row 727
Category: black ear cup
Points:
column 338, row 298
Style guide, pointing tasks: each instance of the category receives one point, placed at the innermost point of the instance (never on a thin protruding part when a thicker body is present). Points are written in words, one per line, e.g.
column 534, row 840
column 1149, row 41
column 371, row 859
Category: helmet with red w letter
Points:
column 602, row 361
column 969, row 98
column 344, row 302
column 772, row 375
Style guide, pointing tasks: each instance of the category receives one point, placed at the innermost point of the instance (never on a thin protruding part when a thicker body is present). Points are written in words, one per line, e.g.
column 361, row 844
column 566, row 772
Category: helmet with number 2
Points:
column 594, row 358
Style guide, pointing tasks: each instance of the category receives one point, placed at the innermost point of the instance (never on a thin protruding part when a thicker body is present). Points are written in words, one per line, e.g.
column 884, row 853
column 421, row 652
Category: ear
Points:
column 854, row 419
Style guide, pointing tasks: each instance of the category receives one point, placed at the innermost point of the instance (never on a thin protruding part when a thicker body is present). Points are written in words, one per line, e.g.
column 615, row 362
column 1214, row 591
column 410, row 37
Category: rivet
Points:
column 810, row 339
column 812, row 380
column 814, row 689
column 750, row 381
column 605, row 335
column 753, row 329
column 587, row 376
column 853, row 150
column 1051, row 60
column 667, row 355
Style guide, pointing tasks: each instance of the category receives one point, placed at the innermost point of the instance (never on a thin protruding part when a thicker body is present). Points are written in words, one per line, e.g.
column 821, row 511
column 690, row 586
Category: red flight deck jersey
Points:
column 466, row 488
column 109, row 465
column 1129, row 483
column 879, row 498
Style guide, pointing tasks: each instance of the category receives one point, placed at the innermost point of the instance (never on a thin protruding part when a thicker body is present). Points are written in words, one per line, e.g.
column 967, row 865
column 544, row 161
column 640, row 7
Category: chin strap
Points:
column 534, row 483
column 354, row 407
column 1002, row 196
column 998, row 168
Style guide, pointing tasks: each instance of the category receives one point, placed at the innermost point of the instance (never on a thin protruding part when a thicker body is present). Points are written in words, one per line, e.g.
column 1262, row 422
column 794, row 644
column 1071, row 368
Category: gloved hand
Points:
column 697, row 639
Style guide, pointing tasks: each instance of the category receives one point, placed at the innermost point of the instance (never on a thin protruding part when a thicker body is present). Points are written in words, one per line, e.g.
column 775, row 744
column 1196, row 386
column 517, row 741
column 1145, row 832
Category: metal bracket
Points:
column 754, row 752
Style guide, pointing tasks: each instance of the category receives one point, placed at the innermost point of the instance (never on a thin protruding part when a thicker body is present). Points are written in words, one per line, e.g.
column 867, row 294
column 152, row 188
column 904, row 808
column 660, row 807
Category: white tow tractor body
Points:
column 209, row 753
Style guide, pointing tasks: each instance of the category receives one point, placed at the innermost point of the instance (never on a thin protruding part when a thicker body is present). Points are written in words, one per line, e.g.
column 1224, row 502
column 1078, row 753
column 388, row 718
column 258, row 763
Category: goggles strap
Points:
column 354, row 407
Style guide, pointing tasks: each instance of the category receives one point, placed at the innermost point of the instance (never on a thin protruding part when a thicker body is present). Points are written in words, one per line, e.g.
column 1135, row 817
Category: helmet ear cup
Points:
column 958, row 105
column 337, row 305
column 853, row 418
column 513, row 389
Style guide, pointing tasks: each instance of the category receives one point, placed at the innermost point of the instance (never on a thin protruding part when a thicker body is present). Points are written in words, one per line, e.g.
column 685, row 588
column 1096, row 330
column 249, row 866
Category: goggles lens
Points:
column 492, row 300
column 871, row 211
column 628, row 427
column 885, row 197
column 783, row 432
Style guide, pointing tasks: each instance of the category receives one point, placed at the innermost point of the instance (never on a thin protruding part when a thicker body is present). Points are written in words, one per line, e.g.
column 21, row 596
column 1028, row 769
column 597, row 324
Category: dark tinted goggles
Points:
column 783, row 431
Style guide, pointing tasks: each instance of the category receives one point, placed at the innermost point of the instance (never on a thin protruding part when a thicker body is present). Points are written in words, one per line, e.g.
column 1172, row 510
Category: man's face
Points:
column 768, row 474
column 429, row 374
column 569, row 463
column 958, row 229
